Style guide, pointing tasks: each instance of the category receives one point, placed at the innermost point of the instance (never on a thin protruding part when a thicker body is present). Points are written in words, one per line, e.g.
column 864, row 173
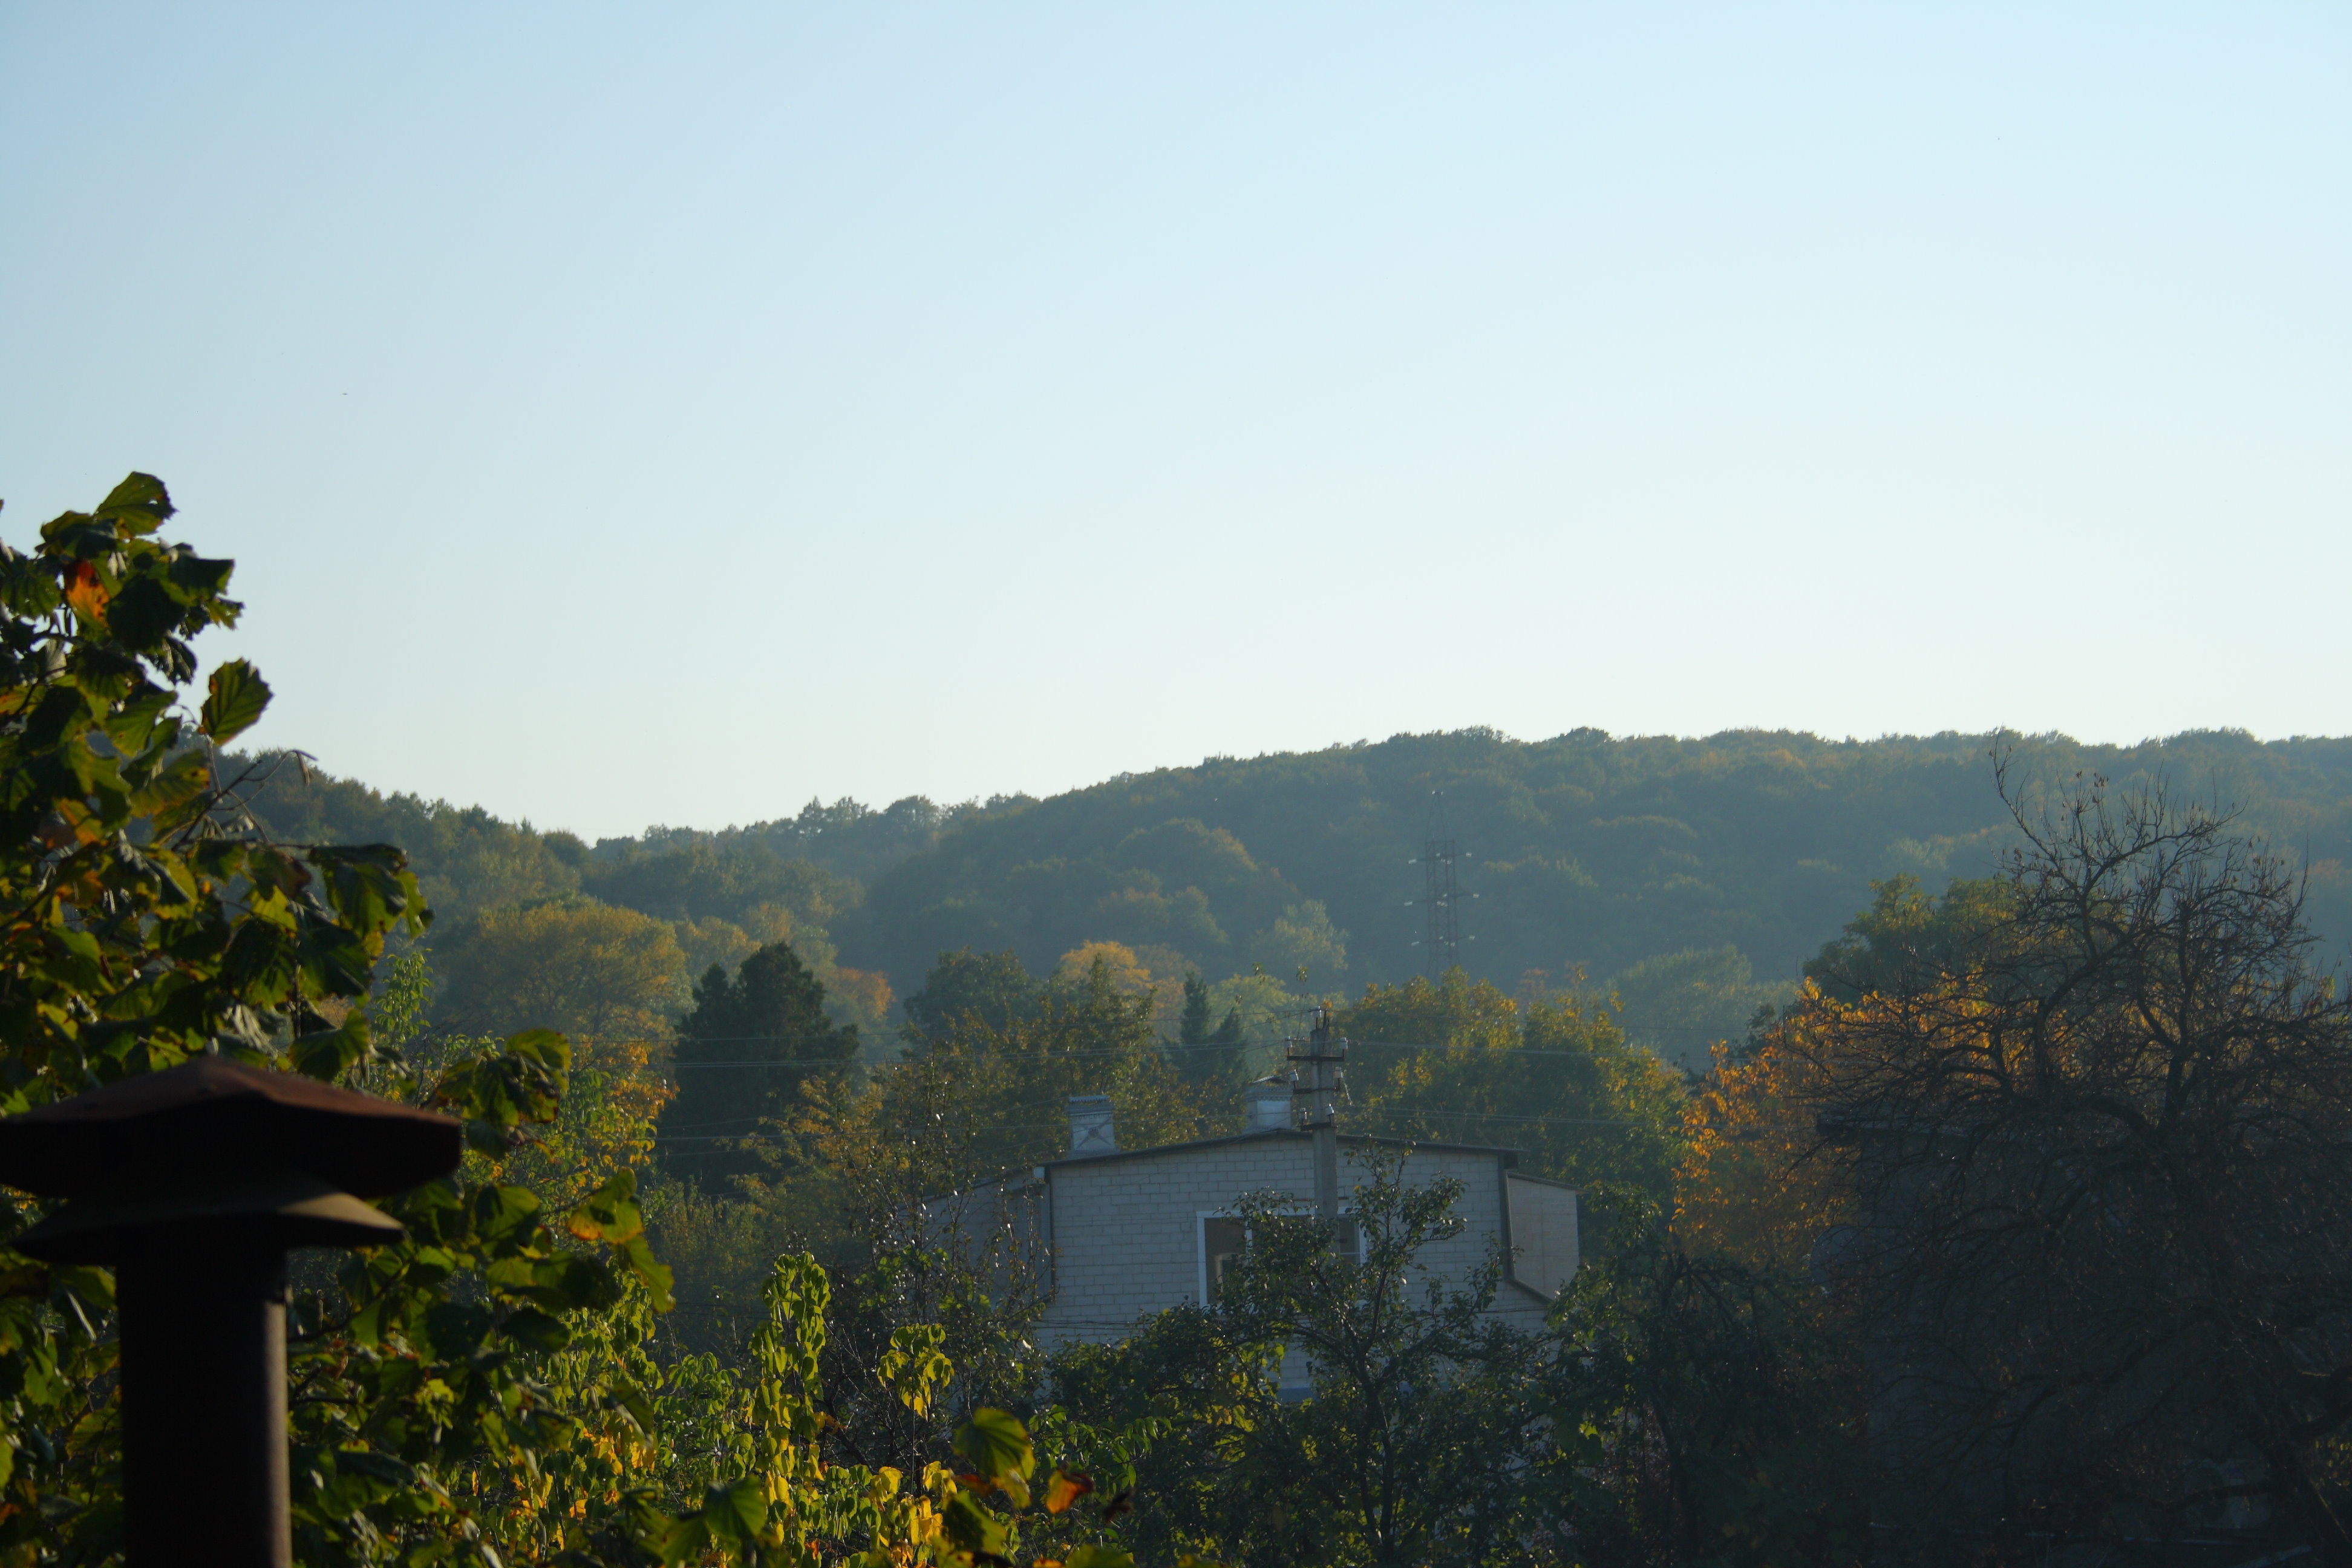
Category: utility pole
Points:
column 1315, row 1079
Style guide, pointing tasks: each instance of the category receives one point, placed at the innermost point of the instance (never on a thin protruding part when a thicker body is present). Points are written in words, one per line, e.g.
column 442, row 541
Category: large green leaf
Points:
column 328, row 1054
column 609, row 1213
column 144, row 612
column 730, row 1518
column 139, row 505
column 524, row 1082
column 652, row 1271
column 975, row 1529
column 536, row 1329
column 996, row 1445
column 234, row 702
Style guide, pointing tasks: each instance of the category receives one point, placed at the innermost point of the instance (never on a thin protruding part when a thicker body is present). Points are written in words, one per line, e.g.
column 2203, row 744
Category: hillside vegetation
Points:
column 1691, row 877
column 2047, row 1133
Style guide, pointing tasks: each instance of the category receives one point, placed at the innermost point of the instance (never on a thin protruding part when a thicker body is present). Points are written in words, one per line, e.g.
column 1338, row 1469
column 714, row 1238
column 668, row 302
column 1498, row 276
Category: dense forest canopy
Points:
column 1691, row 877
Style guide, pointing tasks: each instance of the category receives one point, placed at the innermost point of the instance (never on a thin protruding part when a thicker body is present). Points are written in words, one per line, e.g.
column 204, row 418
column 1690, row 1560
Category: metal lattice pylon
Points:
column 1442, row 898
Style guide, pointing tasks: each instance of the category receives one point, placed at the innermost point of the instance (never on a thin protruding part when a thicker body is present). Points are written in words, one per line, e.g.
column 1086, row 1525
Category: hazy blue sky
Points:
column 669, row 413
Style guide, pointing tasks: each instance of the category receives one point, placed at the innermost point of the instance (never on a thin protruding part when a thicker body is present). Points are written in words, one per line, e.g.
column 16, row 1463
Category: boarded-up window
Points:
column 1223, row 1240
column 1543, row 1229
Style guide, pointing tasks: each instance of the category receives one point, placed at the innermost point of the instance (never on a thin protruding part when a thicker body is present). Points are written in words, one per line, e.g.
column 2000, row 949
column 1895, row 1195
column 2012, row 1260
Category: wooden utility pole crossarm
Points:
column 1315, row 1081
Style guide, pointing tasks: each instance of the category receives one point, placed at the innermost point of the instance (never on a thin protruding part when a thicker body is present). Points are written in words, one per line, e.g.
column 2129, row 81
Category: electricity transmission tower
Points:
column 1442, row 899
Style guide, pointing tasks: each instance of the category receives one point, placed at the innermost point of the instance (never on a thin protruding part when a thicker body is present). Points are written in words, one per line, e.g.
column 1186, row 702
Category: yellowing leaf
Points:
column 1062, row 1490
column 86, row 594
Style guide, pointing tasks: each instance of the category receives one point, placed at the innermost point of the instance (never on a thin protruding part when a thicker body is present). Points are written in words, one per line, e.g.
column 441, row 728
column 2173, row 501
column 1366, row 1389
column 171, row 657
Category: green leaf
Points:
column 973, row 1527
column 456, row 1332
column 331, row 961
column 143, row 613
column 915, row 1367
column 369, row 886
column 611, row 1216
column 638, row 1253
column 504, row 1217
column 524, row 1082
column 636, row 1403
column 609, row 1213
column 544, row 1046
column 260, row 964
column 566, row 1283
column 996, row 1445
column 1100, row 1557
column 235, row 697
column 367, row 1323
column 534, row 1327
column 205, row 581
column 139, row 505
column 328, row 1054
column 487, row 1138
column 735, row 1512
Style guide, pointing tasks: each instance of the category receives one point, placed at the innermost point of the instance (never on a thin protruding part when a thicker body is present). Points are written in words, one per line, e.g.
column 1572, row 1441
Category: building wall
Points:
column 1126, row 1232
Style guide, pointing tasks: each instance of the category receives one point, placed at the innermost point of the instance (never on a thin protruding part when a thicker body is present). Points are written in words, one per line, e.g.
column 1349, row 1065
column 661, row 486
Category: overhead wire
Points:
column 1507, row 1053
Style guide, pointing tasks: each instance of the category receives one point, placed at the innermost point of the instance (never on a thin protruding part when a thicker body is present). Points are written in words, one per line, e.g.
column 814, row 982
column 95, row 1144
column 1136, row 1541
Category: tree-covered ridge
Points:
column 469, row 859
column 620, row 929
column 1586, row 852
column 1688, row 876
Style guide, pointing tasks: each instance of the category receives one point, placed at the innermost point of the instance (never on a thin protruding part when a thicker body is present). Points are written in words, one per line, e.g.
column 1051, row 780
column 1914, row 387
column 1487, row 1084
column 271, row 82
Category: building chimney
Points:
column 1268, row 1101
column 1090, row 1130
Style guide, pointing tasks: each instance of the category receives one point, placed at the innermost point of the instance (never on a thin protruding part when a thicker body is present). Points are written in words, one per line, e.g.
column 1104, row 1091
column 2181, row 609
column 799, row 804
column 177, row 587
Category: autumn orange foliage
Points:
column 1756, row 1184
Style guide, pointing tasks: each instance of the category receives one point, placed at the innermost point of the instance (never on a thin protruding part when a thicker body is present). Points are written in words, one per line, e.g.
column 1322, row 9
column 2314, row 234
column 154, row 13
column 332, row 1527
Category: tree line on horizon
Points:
column 1688, row 878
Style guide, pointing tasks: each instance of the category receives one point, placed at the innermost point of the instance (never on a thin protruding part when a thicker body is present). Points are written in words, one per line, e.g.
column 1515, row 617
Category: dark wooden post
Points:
column 203, row 1416
column 193, row 1183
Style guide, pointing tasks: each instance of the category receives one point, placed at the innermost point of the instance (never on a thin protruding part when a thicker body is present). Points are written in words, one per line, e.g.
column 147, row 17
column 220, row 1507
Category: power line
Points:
column 1392, row 1114
column 1474, row 1053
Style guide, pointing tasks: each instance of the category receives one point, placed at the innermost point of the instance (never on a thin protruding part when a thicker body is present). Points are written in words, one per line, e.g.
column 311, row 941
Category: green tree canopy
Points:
column 746, row 1057
column 573, row 964
column 1209, row 1051
column 1460, row 1061
column 993, row 987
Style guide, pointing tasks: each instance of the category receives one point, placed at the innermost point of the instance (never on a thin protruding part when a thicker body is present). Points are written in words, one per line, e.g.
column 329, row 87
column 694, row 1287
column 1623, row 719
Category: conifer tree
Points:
column 747, row 1055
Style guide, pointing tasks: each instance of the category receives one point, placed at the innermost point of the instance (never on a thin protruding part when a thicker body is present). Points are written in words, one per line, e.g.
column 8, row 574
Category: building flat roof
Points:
column 1509, row 1157
column 1271, row 1133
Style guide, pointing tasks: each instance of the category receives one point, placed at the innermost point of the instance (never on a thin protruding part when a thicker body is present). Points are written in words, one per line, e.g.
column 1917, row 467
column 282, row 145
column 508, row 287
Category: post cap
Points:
column 212, row 1117
column 282, row 1208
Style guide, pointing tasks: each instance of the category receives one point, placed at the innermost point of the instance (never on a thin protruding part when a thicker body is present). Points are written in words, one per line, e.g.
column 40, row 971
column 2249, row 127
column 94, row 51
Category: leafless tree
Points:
column 2104, row 1141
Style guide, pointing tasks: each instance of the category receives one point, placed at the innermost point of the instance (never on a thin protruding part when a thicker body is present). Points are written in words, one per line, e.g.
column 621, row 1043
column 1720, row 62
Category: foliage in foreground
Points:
column 483, row 1390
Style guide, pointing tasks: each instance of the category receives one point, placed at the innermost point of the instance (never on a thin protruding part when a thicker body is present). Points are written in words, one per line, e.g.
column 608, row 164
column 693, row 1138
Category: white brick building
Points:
column 1121, row 1235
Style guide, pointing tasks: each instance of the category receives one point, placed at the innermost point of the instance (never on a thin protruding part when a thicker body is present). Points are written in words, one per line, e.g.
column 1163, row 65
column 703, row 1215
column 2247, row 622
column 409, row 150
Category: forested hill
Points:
column 1584, row 851
column 1697, row 873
